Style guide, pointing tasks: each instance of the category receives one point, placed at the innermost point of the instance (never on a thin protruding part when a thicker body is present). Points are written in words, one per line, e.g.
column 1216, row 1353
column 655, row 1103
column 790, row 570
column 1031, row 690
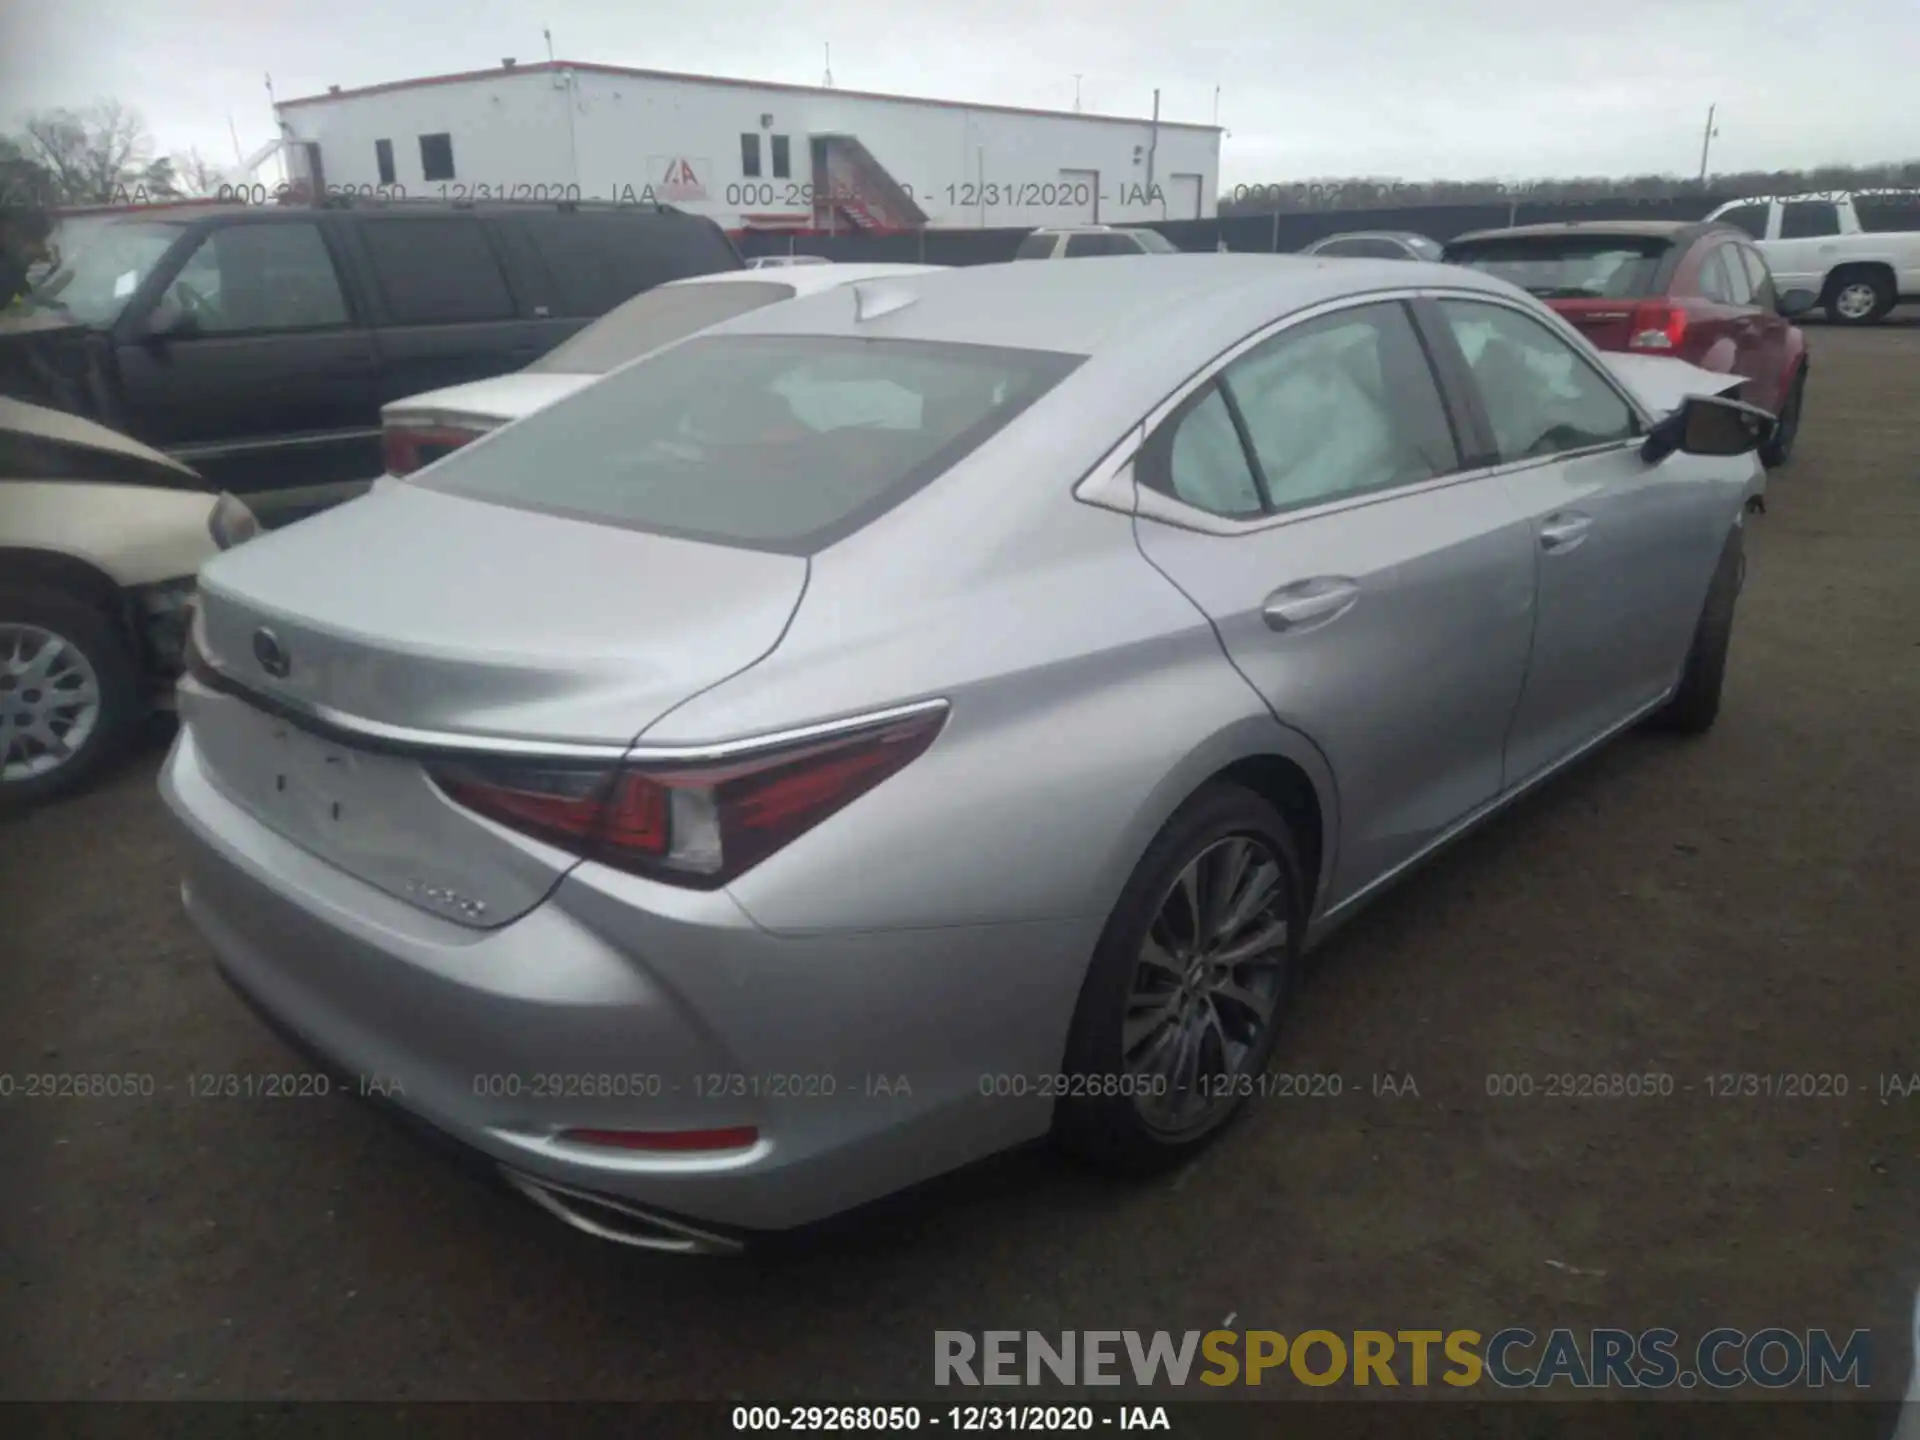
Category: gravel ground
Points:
column 1744, row 903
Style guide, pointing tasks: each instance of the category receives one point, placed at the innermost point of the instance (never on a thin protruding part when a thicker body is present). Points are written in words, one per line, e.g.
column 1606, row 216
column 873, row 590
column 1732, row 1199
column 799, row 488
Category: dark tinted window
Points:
column 656, row 318
column 1363, row 248
column 773, row 442
column 598, row 259
column 1750, row 218
column 257, row 278
column 1036, row 246
column 1103, row 243
column 1541, row 395
column 383, row 157
column 1569, row 267
column 782, row 164
column 750, row 154
column 1809, row 219
column 1341, row 406
column 1879, row 214
column 436, row 271
column 436, row 157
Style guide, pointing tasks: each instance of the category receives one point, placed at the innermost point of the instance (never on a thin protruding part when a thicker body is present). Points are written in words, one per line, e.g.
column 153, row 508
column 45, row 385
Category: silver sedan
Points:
column 906, row 721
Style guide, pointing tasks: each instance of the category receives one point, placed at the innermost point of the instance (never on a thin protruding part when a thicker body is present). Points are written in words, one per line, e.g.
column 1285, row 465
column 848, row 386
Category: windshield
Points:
column 1571, row 267
column 659, row 317
column 95, row 282
column 773, row 442
column 1423, row 247
column 1154, row 243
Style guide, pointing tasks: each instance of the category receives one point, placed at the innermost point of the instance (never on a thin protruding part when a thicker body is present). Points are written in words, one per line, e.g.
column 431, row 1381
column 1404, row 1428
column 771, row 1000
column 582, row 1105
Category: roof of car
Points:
column 1089, row 309
column 1089, row 229
column 805, row 279
column 1373, row 235
column 1670, row 229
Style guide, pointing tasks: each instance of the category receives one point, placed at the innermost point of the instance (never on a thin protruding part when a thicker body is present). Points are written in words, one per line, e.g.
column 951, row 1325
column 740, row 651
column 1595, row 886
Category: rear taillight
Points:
column 694, row 825
column 408, row 446
column 1656, row 326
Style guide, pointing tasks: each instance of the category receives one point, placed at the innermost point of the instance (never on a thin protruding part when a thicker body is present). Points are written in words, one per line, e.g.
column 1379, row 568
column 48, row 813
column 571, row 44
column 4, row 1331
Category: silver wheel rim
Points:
column 1856, row 301
column 1205, row 985
column 49, row 702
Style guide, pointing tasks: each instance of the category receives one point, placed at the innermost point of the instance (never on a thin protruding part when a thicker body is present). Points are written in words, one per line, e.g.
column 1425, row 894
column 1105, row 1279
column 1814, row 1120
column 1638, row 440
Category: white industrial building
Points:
column 749, row 154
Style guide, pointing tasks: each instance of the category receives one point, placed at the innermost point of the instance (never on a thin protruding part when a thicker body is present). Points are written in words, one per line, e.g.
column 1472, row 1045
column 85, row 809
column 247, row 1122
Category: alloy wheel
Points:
column 49, row 701
column 1857, row 301
column 1206, row 984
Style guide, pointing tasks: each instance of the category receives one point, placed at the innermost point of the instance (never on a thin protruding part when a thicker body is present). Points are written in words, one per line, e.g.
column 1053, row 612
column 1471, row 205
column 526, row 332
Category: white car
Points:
column 1084, row 242
column 421, row 428
column 1860, row 266
column 782, row 262
column 100, row 540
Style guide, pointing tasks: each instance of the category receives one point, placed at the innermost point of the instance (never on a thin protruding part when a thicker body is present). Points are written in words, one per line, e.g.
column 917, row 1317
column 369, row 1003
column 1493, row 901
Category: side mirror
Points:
column 1708, row 425
column 1794, row 303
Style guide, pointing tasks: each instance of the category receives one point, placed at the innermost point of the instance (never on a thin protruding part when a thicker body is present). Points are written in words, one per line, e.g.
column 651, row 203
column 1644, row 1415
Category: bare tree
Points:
column 102, row 155
column 198, row 176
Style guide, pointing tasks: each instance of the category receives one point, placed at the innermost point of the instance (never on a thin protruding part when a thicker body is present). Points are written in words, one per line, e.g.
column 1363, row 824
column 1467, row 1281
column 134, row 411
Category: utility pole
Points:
column 1153, row 142
column 1216, row 106
column 1706, row 141
column 548, row 36
column 1076, row 92
column 827, row 82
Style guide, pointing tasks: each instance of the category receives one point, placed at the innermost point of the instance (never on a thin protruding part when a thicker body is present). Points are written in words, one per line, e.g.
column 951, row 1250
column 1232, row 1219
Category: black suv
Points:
column 258, row 345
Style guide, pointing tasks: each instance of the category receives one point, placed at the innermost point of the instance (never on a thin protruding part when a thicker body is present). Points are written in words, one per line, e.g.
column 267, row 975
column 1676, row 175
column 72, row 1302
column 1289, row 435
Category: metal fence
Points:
column 1267, row 234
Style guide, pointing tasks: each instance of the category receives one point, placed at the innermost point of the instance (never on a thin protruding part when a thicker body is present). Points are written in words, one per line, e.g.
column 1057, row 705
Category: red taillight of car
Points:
column 1657, row 326
column 408, row 446
column 698, row 826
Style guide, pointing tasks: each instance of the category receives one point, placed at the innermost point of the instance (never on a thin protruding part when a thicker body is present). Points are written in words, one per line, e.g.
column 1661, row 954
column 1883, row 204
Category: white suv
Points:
column 1077, row 242
column 1859, row 253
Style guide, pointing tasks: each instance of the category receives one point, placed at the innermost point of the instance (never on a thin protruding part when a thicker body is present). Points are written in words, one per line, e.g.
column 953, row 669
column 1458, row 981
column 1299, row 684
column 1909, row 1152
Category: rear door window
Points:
column 1035, row 247
column 1715, row 283
column 599, row 259
column 1367, row 248
column 771, row 442
column 436, row 270
column 1750, row 218
column 1809, row 219
column 1757, row 274
column 1080, row 247
column 1739, row 285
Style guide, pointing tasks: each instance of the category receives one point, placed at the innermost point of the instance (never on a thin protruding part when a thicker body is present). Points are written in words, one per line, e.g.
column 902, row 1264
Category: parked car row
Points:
column 989, row 681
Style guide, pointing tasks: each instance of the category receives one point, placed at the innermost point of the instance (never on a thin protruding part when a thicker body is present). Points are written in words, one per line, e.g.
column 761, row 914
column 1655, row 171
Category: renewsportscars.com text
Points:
column 1513, row 1358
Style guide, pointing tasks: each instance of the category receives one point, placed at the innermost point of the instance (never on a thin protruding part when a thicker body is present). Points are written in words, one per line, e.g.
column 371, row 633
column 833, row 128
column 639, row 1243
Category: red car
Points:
column 1698, row 292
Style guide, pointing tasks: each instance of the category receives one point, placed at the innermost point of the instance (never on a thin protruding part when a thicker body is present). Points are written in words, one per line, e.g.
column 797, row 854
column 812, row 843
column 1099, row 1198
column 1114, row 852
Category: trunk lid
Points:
column 1607, row 324
column 410, row 611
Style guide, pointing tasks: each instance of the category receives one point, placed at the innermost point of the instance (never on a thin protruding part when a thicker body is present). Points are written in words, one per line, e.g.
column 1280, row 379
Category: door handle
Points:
column 1563, row 532
column 1309, row 602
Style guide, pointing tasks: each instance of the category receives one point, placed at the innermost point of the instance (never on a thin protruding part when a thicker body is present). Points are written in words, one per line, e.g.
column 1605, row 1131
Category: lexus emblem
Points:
column 272, row 656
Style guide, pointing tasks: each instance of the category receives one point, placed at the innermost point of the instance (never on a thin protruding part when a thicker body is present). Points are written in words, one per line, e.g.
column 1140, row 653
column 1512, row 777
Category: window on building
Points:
column 750, row 155
column 383, row 157
column 782, row 170
column 436, row 157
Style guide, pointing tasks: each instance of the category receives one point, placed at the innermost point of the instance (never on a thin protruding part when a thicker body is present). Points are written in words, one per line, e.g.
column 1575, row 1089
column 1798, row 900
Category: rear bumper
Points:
column 588, row 1013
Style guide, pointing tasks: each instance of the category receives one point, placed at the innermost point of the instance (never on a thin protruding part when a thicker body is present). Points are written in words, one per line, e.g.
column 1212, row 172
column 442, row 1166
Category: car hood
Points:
column 1662, row 384
column 61, row 428
column 502, row 398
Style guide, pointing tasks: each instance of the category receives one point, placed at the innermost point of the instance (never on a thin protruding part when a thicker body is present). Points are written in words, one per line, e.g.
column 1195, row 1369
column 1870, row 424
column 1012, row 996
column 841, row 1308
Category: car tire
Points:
column 1859, row 297
column 1695, row 703
column 1122, row 1041
column 1779, row 449
column 56, row 637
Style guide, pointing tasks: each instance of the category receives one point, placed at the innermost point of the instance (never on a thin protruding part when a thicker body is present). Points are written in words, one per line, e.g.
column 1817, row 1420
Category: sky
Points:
column 1414, row 89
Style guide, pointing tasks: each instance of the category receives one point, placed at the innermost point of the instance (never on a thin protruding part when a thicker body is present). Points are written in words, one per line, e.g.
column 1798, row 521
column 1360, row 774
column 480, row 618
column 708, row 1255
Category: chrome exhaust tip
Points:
column 619, row 1222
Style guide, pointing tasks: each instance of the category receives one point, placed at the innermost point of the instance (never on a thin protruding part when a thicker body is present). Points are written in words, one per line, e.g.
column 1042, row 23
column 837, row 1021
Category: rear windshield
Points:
column 656, row 318
column 1036, row 246
column 1569, row 267
column 772, row 442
